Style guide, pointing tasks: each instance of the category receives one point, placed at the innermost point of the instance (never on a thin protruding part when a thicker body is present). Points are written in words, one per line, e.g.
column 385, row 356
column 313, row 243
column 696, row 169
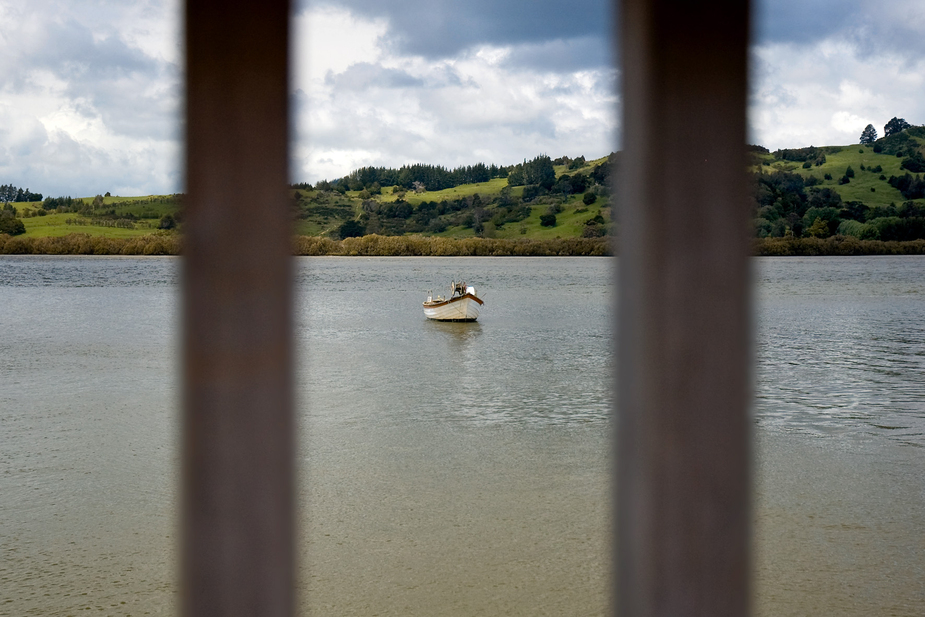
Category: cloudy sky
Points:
column 91, row 89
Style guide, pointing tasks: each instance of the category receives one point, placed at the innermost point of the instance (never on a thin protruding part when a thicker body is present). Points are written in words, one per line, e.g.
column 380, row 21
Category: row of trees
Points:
column 419, row 177
column 811, row 155
column 538, row 172
column 12, row 194
column 433, row 177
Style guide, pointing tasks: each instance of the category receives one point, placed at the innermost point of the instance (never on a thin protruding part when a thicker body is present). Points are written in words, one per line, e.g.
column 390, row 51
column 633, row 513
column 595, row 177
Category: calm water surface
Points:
column 455, row 469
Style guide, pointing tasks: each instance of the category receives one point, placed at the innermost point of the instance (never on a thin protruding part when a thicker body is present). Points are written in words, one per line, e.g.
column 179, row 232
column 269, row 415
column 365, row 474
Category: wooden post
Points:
column 237, row 510
column 683, row 428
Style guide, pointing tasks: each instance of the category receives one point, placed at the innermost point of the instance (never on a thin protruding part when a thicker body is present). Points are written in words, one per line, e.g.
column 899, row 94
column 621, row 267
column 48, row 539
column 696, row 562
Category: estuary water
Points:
column 455, row 469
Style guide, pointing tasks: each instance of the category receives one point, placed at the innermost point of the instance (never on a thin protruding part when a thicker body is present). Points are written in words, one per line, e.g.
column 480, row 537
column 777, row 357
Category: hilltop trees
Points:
column 9, row 193
column 434, row 177
column 896, row 125
column 869, row 134
column 538, row 172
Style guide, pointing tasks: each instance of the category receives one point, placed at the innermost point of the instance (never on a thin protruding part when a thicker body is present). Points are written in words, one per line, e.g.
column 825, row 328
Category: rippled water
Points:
column 455, row 468
column 841, row 346
column 538, row 355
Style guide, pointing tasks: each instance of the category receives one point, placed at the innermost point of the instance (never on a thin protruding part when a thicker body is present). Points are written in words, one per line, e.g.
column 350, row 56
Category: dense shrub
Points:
column 593, row 231
column 861, row 231
column 910, row 187
column 532, row 191
column 899, row 229
column 350, row 229
column 914, row 163
column 762, row 227
column 555, row 208
column 911, row 209
column 11, row 226
column 167, row 222
column 818, row 229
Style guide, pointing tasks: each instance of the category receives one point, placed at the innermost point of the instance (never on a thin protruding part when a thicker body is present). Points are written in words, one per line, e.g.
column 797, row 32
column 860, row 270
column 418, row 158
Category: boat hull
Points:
column 464, row 308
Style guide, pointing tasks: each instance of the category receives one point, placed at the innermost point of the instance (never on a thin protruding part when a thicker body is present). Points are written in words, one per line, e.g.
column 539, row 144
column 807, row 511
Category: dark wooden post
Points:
column 237, row 512
column 683, row 429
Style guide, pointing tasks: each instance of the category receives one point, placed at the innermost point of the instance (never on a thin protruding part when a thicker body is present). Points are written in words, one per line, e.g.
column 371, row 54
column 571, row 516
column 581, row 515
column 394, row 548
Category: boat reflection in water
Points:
column 462, row 305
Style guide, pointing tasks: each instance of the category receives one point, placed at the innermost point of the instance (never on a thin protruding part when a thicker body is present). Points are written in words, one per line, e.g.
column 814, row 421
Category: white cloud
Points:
column 91, row 90
column 846, row 122
column 90, row 96
column 330, row 39
column 826, row 92
column 372, row 106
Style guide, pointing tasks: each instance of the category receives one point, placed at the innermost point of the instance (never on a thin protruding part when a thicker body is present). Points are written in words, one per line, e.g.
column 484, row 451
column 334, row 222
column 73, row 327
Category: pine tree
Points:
column 869, row 135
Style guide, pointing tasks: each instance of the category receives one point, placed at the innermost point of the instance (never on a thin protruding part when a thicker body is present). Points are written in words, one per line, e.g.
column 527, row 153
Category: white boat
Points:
column 462, row 305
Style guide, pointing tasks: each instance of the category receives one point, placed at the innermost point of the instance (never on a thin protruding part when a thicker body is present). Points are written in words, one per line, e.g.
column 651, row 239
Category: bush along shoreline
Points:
column 429, row 246
column 834, row 246
column 371, row 245
column 85, row 244
column 425, row 246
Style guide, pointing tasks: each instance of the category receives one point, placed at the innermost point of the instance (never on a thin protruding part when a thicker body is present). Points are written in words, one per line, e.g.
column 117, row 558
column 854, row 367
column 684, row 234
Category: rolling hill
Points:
column 871, row 191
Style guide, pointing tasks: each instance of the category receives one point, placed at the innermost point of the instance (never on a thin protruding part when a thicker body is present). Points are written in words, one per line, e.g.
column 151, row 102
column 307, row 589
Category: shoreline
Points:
column 834, row 246
column 429, row 246
column 310, row 246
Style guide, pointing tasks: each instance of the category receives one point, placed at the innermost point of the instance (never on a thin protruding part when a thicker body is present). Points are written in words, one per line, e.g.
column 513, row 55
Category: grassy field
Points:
column 866, row 186
column 143, row 213
column 55, row 225
column 492, row 187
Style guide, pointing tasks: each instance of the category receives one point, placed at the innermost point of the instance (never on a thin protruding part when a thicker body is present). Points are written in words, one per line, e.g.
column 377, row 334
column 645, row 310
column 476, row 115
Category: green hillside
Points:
column 569, row 200
column 110, row 216
column 873, row 191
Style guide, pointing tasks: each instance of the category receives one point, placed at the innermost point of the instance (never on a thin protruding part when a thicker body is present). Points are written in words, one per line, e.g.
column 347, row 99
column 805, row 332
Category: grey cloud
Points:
column 561, row 55
column 443, row 28
column 57, row 164
column 134, row 94
column 364, row 75
column 101, row 79
column 798, row 21
column 69, row 51
column 872, row 26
